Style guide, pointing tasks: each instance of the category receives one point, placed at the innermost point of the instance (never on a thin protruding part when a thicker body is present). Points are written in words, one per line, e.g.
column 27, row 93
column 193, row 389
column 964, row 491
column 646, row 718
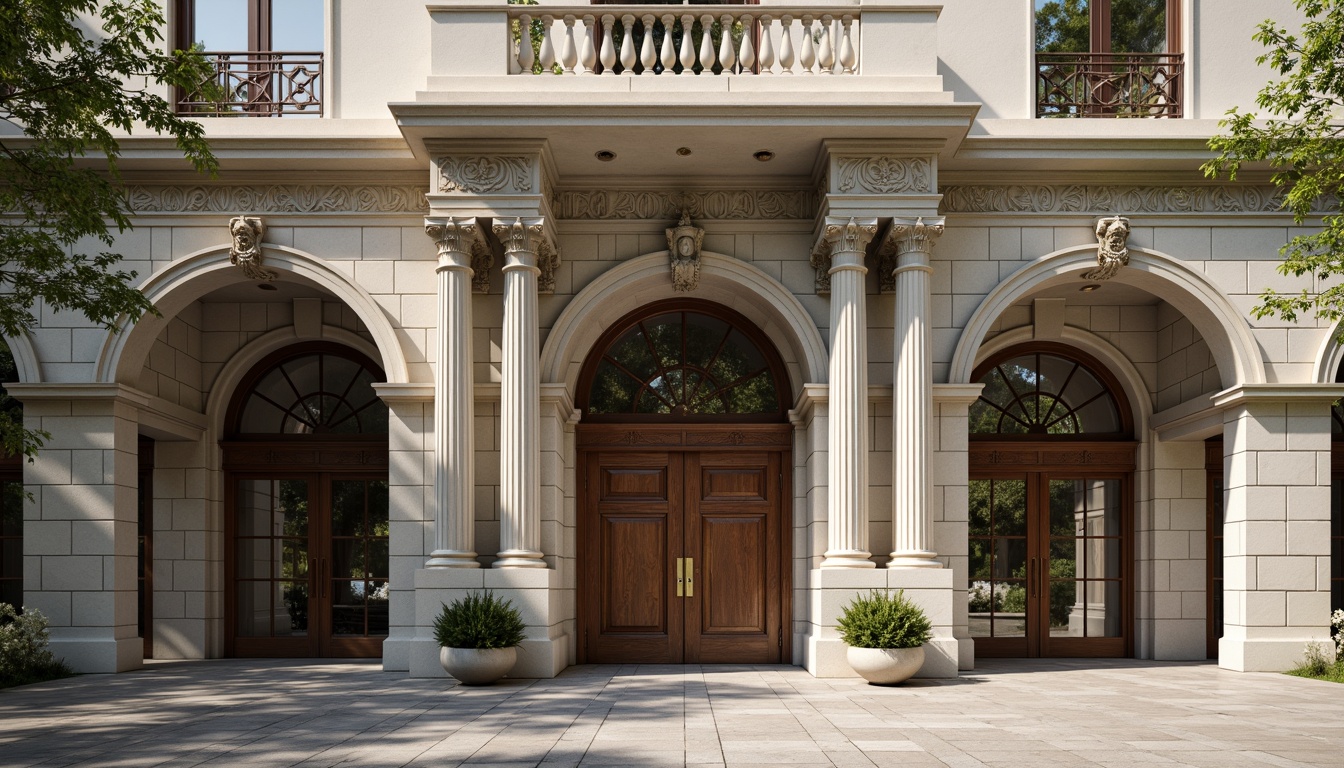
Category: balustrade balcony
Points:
column 258, row 84
column 684, row 40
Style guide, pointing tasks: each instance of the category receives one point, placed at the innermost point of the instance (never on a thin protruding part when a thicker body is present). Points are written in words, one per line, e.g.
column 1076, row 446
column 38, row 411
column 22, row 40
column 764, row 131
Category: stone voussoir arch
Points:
column 25, row 358
column 723, row 279
column 189, row 278
column 1218, row 321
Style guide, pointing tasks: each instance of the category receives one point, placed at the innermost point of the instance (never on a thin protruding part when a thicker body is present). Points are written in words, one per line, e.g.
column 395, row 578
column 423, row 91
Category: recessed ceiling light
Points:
column 764, row 155
column 267, row 287
column 1090, row 287
column 605, row 155
column 683, row 151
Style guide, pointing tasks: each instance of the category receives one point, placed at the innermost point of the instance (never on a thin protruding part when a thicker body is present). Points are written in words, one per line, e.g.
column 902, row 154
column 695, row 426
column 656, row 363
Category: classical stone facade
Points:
column 922, row 337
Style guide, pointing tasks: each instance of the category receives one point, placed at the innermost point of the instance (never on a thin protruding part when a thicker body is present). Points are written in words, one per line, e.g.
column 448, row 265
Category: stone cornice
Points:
column 700, row 204
column 1278, row 393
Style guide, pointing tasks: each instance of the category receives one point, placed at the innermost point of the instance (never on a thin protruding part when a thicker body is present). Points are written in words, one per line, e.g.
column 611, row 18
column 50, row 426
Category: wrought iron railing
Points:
column 1108, row 84
column 258, row 84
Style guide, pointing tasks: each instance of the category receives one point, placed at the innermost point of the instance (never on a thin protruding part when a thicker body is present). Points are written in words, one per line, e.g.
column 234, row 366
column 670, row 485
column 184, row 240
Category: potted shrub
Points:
column 886, row 635
column 478, row 638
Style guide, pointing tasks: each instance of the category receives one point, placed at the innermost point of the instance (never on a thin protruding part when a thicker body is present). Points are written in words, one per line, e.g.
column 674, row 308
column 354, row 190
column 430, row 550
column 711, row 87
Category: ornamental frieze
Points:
column 278, row 198
column 487, row 174
column 606, row 204
column 1086, row 198
column 884, row 175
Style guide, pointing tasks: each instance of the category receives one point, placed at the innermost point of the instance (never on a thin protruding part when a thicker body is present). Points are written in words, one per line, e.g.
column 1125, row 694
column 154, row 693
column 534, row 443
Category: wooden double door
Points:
column 683, row 556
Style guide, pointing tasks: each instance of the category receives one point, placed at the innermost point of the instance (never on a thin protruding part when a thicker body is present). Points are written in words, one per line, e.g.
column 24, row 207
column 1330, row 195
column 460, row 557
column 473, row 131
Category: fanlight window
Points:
column 1039, row 393
column 683, row 364
column 315, row 394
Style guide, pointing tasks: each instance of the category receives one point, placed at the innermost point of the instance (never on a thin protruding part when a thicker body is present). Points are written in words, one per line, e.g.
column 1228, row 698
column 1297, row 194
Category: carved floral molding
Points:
column 279, row 198
column 884, row 175
column 698, row 204
column 1086, row 198
column 486, row 174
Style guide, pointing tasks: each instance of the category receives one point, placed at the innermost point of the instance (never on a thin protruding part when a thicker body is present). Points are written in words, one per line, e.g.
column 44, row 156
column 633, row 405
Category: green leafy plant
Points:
column 24, row 657
column 884, row 620
column 1316, row 663
column 479, row 620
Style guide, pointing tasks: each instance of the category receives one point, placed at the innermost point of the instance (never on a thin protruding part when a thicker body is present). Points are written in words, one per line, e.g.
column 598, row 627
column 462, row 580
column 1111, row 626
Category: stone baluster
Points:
column 687, row 45
column 706, row 44
column 767, row 54
column 462, row 248
column 912, row 243
column 845, row 242
column 628, row 44
column 667, row 55
column 809, row 55
column 608, row 55
column 849, row 57
column 587, row 53
column 646, row 52
column 547, row 55
column 747, row 57
column 569, row 52
column 727, row 57
column 826, row 51
column 526, row 57
column 525, row 243
column 786, row 57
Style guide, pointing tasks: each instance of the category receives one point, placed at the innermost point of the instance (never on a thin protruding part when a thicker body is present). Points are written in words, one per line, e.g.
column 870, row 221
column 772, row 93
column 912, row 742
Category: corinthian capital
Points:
column 461, row 244
column 528, row 243
column 840, row 237
column 907, row 244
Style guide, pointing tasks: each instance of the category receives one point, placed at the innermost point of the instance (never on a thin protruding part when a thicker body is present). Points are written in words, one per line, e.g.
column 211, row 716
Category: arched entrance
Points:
column 683, row 463
column 1051, row 506
column 306, row 507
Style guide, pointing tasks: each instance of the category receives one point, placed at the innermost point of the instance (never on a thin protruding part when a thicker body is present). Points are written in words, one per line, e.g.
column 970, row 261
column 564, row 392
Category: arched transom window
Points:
column 1046, row 393
column 683, row 362
column 327, row 392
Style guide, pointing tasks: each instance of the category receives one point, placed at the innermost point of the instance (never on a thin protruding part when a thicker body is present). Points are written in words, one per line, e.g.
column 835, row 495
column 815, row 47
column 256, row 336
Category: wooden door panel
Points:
column 633, row 557
column 732, row 533
column 632, row 525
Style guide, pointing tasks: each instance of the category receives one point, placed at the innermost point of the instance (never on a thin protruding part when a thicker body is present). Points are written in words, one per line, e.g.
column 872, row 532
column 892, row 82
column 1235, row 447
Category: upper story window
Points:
column 1108, row 58
column 267, row 56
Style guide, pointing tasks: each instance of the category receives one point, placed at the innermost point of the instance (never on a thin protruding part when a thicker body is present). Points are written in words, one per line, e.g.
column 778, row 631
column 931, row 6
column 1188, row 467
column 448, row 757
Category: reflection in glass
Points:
column 997, row 591
column 683, row 364
column 319, row 393
column 1043, row 394
column 271, row 557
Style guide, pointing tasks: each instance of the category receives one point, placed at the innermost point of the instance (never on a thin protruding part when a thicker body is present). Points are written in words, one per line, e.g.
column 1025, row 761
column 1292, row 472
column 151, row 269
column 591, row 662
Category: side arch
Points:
column 723, row 279
column 194, row 276
column 1218, row 321
column 1329, row 357
column 25, row 358
column 1131, row 381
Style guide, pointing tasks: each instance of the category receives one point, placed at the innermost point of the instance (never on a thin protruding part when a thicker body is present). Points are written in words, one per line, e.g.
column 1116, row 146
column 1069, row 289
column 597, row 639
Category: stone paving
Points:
column 1021, row 713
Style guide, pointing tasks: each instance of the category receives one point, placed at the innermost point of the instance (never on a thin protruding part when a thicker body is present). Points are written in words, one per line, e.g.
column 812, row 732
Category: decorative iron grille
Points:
column 1108, row 84
column 258, row 84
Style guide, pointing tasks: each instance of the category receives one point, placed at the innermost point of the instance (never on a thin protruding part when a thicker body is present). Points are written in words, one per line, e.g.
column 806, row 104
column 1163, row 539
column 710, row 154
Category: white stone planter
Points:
column 886, row 666
column 477, row 666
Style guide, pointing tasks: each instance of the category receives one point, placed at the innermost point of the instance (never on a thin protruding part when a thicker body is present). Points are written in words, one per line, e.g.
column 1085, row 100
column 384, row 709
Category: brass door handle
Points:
column 690, row 577
column 685, row 577
column 681, row 577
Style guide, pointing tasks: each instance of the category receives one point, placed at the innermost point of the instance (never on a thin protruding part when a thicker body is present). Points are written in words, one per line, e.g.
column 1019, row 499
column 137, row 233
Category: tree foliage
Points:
column 1299, row 138
column 75, row 74
column 1137, row 26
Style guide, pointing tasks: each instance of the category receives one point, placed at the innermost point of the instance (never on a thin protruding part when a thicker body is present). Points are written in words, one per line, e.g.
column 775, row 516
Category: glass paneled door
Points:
column 309, row 565
column 1049, row 564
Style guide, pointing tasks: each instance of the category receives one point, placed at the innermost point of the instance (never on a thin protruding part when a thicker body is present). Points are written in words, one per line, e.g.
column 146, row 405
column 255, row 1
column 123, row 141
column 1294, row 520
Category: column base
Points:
column 1267, row 654
column 96, row 654
column 519, row 558
column 848, row 558
column 914, row 559
column 452, row 558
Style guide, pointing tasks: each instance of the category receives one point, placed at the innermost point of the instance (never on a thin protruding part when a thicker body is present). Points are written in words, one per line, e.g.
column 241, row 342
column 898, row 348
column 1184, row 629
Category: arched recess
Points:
column 194, row 276
column 25, row 358
column 723, row 279
column 1330, row 357
column 1130, row 381
column 1218, row 321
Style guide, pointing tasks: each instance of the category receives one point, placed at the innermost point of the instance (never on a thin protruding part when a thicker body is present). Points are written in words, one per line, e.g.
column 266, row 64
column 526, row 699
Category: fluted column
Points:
column 845, row 242
column 460, row 243
column 525, row 244
column 911, row 242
